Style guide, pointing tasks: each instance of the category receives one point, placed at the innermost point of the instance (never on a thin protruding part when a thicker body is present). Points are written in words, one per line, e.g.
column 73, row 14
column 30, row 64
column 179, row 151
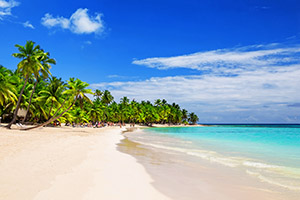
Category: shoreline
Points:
column 181, row 176
column 70, row 163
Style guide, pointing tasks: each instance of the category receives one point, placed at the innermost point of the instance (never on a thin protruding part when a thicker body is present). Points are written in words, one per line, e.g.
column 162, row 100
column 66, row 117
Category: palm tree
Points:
column 98, row 94
column 52, row 94
column 157, row 102
column 44, row 70
column 107, row 98
column 7, row 89
column 193, row 118
column 96, row 112
column 30, row 55
column 124, row 108
column 77, row 90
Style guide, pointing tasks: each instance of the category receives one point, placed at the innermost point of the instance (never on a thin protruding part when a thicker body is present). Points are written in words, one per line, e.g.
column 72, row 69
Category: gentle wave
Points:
column 272, row 182
column 273, row 170
column 260, row 165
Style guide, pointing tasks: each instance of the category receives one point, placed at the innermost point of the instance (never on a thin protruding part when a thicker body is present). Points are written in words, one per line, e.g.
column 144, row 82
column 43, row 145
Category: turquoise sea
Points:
column 269, row 152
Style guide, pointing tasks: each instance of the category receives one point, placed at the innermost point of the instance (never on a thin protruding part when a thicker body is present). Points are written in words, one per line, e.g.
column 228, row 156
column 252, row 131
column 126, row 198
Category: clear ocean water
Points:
column 269, row 152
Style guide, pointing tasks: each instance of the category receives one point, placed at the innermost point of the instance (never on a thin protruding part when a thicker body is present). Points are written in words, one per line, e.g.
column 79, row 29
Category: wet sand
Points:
column 182, row 177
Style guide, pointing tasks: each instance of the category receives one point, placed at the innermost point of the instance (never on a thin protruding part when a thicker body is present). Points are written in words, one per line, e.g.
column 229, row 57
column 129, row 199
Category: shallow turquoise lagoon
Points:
column 269, row 152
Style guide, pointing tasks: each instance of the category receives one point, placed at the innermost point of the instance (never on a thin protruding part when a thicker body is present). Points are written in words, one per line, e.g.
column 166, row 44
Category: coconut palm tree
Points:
column 98, row 93
column 30, row 55
column 52, row 94
column 107, row 98
column 44, row 70
column 7, row 89
column 124, row 108
column 184, row 114
column 95, row 111
column 193, row 118
column 76, row 90
column 157, row 102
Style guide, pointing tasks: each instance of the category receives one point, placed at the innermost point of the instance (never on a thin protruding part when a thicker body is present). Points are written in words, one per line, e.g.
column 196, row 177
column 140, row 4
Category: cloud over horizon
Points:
column 6, row 6
column 80, row 22
column 263, row 87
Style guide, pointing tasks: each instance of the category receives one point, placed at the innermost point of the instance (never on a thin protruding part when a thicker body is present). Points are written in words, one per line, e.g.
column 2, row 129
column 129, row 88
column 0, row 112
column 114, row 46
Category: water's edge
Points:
column 181, row 177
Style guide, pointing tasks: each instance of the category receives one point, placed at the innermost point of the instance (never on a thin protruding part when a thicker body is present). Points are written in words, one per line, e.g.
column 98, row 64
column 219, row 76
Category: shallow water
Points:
column 269, row 153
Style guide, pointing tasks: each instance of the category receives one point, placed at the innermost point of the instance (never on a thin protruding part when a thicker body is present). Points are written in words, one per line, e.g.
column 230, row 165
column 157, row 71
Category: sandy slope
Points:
column 70, row 163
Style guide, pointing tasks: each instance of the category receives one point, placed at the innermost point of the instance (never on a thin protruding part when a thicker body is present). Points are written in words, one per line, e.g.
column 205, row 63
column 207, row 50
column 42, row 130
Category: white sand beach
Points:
column 70, row 163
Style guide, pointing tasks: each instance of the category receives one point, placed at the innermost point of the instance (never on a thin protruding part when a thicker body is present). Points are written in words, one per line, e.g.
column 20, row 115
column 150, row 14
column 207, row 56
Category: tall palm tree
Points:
column 184, row 114
column 76, row 90
column 30, row 55
column 45, row 61
column 124, row 108
column 107, row 98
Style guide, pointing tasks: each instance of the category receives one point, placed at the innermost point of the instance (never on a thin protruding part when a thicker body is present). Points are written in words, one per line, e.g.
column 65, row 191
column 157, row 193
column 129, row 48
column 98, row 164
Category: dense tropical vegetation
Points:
column 47, row 99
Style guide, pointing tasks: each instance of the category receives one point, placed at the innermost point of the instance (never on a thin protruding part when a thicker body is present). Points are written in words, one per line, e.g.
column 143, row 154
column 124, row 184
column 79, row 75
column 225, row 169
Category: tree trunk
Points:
column 50, row 110
column 52, row 119
column 35, row 84
column 59, row 108
column 18, row 104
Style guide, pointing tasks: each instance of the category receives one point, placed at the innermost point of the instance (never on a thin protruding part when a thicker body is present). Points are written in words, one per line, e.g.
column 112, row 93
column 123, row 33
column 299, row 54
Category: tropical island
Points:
column 99, row 100
column 74, row 160
column 45, row 99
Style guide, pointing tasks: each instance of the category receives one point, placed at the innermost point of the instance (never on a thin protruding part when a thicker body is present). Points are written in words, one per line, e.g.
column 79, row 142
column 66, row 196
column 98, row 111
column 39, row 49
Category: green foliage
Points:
column 48, row 98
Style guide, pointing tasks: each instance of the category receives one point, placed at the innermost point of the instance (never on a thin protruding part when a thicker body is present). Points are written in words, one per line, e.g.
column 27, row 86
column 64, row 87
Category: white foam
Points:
column 260, row 165
column 268, row 180
column 207, row 155
column 240, row 162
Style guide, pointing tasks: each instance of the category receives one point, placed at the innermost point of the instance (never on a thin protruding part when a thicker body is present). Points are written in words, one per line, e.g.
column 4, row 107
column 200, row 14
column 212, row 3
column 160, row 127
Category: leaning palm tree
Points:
column 77, row 90
column 44, row 70
column 30, row 55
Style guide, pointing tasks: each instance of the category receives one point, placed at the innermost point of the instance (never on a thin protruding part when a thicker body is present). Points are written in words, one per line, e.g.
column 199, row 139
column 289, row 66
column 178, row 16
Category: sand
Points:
column 70, row 163
column 184, row 177
column 90, row 163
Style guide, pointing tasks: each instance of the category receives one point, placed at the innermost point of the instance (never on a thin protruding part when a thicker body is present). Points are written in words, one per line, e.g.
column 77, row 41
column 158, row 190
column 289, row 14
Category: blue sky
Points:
column 229, row 61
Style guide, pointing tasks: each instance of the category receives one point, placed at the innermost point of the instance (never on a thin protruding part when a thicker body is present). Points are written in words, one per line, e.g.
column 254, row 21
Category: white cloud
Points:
column 227, row 60
column 255, row 92
column 6, row 6
column 49, row 21
column 27, row 24
column 79, row 22
column 260, row 88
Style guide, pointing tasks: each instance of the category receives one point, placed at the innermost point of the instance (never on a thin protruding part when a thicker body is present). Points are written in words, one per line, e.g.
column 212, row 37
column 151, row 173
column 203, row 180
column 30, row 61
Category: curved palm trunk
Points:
column 52, row 119
column 35, row 84
column 50, row 109
column 18, row 105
